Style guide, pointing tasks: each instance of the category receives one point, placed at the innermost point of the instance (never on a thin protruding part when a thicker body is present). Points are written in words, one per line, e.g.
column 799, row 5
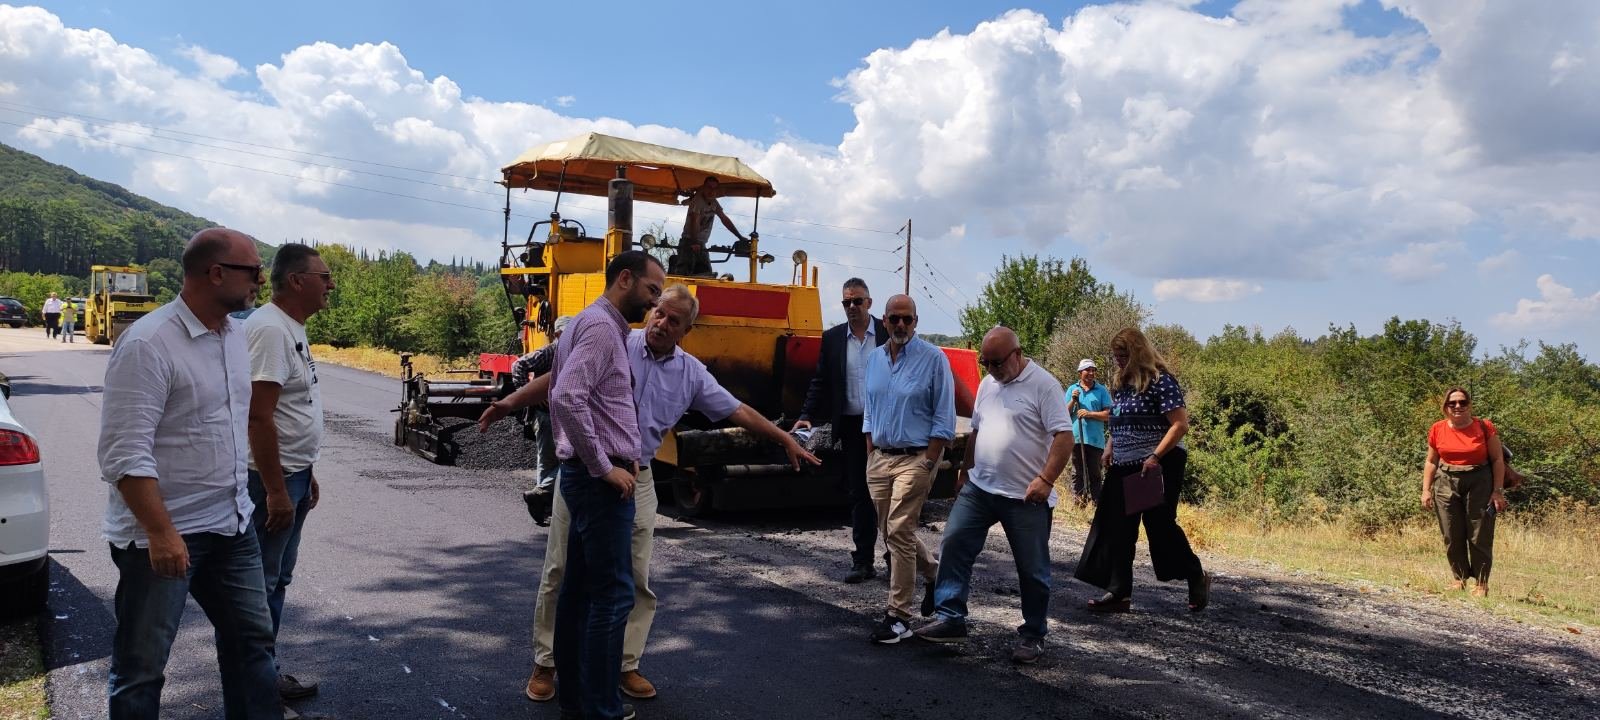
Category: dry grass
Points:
column 21, row 672
column 1546, row 569
column 385, row 362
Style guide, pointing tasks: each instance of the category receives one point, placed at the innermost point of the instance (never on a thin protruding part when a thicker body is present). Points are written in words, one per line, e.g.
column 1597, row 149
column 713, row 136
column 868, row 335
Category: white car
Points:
column 24, row 517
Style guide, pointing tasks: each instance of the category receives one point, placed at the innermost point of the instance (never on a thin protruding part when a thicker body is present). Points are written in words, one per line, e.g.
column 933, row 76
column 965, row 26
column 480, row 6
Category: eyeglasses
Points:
column 993, row 364
column 326, row 276
column 254, row 270
column 899, row 319
column 1457, row 403
column 853, row 302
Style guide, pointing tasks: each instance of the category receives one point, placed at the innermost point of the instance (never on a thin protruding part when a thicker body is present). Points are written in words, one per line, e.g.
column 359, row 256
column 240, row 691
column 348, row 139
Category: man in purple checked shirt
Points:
column 597, row 441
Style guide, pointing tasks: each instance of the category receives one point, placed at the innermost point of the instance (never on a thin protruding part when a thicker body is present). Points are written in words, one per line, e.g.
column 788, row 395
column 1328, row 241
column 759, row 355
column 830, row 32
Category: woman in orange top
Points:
column 1467, row 451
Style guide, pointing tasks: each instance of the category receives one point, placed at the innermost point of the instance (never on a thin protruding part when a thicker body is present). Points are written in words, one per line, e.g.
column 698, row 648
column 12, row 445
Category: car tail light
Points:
column 17, row 449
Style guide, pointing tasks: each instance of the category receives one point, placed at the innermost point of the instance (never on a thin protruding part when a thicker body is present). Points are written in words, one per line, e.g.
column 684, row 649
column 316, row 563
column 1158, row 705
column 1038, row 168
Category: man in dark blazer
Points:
column 836, row 395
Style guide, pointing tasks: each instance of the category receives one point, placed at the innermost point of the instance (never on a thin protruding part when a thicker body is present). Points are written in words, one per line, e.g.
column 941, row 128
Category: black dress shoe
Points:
column 860, row 573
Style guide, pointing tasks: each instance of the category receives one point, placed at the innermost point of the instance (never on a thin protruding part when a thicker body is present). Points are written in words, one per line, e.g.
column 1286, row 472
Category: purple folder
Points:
column 1143, row 490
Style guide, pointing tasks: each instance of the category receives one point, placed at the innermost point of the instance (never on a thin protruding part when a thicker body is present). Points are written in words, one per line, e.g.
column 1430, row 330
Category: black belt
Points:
column 904, row 450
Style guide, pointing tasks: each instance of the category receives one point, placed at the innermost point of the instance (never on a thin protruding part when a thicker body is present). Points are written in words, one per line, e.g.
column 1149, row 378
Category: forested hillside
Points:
column 55, row 220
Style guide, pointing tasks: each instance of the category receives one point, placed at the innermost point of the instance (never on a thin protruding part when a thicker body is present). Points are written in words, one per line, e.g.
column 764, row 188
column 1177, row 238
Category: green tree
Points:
column 1030, row 295
column 443, row 314
column 1087, row 331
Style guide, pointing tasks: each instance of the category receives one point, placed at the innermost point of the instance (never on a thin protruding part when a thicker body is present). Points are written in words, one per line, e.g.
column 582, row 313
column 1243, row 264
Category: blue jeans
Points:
column 280, row 550
column 545, row 462
column 225, row 579
column 1027, row 528
column 596, row 595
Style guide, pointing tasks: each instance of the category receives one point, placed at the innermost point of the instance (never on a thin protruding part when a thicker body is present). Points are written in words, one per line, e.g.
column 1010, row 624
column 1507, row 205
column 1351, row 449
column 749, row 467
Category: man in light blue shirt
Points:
column 1089, row 404
column 908, row 417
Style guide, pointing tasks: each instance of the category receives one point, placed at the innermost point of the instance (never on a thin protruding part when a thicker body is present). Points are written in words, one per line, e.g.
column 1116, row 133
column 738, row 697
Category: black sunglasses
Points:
column 1457, row 403
column 254, row 270
column 992, row 364
column 853, row 302
column 326, row 276
column 899, row 319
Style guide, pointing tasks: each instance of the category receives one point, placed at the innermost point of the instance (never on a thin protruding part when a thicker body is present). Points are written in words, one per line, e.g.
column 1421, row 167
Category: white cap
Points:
column 1085, row 364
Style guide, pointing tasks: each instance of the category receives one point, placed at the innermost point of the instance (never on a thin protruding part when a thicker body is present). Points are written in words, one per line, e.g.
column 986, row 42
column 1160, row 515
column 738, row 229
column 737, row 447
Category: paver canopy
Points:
column 659, row 174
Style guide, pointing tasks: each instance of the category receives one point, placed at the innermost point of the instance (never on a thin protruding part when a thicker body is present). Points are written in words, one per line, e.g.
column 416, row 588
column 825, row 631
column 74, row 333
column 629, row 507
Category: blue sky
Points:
column 1259, row 163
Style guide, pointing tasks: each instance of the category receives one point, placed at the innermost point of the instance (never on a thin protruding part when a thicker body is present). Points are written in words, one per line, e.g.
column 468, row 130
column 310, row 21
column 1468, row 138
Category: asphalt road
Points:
column 416, row 585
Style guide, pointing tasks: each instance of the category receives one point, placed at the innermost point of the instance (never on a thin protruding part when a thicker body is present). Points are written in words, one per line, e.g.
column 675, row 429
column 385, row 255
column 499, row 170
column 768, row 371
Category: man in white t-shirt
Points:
column 1021, row 441
column 285, row 423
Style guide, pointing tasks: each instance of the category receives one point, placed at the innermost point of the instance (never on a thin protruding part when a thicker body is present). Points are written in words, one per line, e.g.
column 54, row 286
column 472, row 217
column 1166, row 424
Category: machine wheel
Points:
column 692, row 496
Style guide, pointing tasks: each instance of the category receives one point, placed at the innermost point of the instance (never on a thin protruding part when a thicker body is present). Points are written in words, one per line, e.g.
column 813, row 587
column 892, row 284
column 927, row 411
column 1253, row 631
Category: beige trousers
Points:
column 555, row 566
column 898, row 486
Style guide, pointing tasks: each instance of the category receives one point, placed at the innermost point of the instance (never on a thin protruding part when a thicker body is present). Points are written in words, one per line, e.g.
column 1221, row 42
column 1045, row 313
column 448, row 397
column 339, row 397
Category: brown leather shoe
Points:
column 635, row 686
column 542, row 686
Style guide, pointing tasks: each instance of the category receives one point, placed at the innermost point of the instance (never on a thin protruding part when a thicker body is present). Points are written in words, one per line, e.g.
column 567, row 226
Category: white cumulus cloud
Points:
column 1204, row 290
column 1557, row 306
column 211, row 65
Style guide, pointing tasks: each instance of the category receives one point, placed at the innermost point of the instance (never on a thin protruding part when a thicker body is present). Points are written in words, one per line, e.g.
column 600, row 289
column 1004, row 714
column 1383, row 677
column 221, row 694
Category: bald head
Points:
column 1000, row 339
column 214, row 245
column 221, row 273
column 900, row 315
column 1000, row 353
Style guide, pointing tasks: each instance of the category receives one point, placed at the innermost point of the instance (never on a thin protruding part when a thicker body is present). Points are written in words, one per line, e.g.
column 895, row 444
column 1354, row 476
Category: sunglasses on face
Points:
column 326, row 276
column 899, row 319
column 994, row 364
column 853, row 302
column 1457, row 403
column 254, row 270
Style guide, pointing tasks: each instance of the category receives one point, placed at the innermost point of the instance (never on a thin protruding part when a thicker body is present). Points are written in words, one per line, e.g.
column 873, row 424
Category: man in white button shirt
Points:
column 1021, row 441
column 52, row 316
column 285, row 424
column 173, row 448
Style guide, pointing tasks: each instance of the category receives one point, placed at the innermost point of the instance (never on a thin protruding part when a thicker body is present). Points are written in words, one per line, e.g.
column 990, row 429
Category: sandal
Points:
column 1200, row 592
column 1111, row 604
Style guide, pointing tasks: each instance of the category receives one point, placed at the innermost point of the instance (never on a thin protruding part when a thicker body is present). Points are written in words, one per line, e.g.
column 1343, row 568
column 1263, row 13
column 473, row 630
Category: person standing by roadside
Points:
column 837, row 393
column 1020, row 440
column 597, row 440
column 285, row 425
column 667, row 382
column 1467, row 450
column 909, row 417
column 1089, row 406
column 545, row 464
column 173, row 451
column 51, row 312
column 69, row 321
column 1148, row 422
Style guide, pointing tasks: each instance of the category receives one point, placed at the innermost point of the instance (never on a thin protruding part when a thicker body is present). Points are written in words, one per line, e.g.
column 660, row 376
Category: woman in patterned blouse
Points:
column 1148, row 422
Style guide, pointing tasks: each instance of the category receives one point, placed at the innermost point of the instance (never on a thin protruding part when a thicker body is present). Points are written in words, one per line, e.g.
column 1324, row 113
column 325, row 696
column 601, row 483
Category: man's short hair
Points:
column 205, row 249
column 856, row 282
column 291, row 258
column 679, row 293
column 634, row 261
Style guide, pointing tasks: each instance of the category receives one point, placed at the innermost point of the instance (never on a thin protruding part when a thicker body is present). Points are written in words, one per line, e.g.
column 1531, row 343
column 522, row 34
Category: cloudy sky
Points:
column 1252, row 163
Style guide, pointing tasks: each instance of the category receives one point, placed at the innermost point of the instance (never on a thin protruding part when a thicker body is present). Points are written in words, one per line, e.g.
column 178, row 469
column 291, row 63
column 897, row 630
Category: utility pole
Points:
column 908, row 257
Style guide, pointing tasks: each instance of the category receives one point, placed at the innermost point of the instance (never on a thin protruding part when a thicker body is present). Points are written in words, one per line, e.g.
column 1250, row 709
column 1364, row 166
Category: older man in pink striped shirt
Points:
column 597, row 440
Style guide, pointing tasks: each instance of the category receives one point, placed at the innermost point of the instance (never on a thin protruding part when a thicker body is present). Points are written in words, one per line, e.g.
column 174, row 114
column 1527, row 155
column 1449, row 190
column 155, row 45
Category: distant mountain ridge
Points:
column 27, row 176
column 54, row 219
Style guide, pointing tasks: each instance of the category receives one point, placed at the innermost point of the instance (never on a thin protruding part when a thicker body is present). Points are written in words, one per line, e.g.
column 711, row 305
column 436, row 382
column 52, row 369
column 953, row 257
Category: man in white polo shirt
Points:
column 1020, row 443
column 285, row 424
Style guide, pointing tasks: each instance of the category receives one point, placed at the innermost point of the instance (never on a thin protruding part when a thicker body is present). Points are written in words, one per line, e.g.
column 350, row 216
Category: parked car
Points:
column 24, row 517
column 13, row 312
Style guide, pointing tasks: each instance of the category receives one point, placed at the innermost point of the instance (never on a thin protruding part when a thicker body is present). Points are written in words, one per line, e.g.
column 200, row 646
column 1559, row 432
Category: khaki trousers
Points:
column 555, row 565
column 1460, row 497
column 898, row 486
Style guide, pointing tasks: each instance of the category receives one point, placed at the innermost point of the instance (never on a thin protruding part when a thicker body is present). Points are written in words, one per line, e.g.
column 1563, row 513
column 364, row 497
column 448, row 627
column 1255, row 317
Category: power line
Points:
column 947, row 279
column 155, row 128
